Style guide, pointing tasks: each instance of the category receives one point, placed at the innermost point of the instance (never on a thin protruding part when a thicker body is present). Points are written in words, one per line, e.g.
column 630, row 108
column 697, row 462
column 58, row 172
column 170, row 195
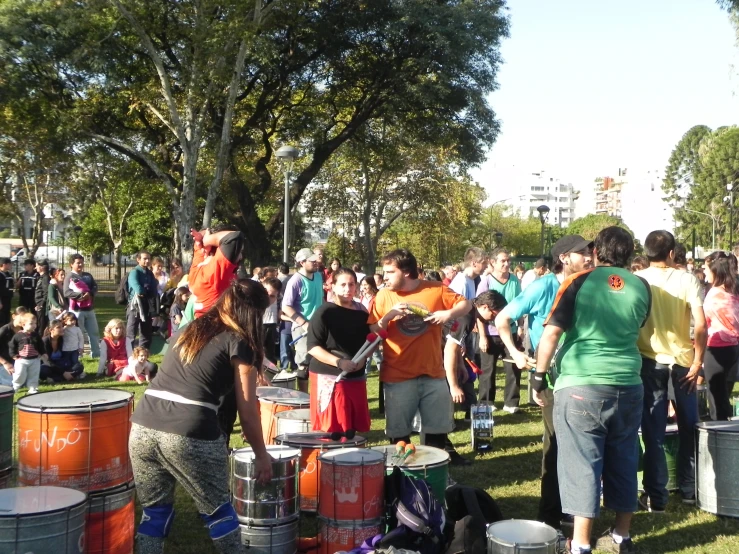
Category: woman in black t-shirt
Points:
column 337, row 331
column 175, row 435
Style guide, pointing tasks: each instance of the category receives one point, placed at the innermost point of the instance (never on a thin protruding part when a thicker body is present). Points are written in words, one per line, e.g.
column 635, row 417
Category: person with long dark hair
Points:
column 722, row 317
column 175, row 436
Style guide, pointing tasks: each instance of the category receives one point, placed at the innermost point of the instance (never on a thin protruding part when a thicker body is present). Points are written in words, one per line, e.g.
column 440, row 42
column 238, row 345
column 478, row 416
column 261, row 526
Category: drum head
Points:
column 352, row 456
column 425, row 456
column 276, row 394
column 38, row 500
column 278, row 452
column 6, row 391
column 74, row 400
column 318, row 439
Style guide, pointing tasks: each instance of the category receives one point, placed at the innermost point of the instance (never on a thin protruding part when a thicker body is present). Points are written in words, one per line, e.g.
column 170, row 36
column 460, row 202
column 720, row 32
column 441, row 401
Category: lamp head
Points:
column 287, row 152
column 543, row 212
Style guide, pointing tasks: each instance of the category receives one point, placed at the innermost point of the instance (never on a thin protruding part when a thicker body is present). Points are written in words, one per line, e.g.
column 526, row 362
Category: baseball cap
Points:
column 570, row 243
column 306, row 254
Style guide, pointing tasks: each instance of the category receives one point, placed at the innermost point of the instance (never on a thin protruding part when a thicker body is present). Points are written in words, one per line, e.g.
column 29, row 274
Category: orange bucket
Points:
column 339, row 536
column 110, row 521
column 75, row 438
column 352, row 484
column 273, row 400
column 311, row 446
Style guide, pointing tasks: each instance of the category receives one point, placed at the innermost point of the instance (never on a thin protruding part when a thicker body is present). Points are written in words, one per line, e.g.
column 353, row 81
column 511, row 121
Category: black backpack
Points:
column 472, row 509
column 121, row 295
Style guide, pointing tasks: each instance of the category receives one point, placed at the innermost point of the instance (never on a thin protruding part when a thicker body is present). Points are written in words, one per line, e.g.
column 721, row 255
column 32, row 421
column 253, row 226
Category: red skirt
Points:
column 342, row 409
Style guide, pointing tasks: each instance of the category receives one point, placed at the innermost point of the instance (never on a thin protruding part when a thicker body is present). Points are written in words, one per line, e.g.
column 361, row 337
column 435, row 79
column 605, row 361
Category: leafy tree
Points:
column 684, row 165
column 590, row 225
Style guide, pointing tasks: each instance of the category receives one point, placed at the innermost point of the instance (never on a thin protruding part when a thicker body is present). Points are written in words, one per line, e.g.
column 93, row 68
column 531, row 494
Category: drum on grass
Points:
column 274, row 400
column 352, row 484
column 76, row 438
column 311, row 445
column 342, row 536
column 519, row 535
column 293, row 421
column 271, row 539
column 671, row 447
column 428, row 463
column 6, row 428
column 42, row 519
column 111, row 520
column 717, row 462
column 270, row 503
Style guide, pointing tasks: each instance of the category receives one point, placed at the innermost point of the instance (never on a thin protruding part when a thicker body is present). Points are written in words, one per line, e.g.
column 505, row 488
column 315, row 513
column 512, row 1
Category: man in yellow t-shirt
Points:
column 668, row 354
column 413, row 313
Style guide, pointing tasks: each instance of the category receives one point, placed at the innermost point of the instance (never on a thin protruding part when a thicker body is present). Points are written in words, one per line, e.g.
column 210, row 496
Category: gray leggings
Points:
column 201, row 467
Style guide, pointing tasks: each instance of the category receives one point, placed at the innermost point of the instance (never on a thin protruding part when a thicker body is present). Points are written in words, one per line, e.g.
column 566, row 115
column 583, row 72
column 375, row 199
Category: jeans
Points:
column 655, row 378
column 486, row 389
column 286, row 352
column 598, row 438
column 88, row 322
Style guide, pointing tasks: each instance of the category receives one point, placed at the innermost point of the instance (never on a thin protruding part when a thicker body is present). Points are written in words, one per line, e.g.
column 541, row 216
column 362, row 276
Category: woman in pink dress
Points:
column 722, row 318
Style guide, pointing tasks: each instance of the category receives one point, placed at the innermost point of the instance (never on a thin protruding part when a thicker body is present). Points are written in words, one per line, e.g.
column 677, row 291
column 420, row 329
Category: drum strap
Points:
column 172, row 397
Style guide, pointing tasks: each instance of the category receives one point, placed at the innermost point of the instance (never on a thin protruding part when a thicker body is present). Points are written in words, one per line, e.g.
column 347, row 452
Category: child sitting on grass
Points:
column 115, row 348
column 58, row 365
column 26, row 348
column 139, row 367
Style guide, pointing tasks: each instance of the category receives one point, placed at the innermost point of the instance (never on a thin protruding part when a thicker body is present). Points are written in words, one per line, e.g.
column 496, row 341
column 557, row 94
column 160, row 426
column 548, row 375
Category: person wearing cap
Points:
column 598, row 393
column 668, row 354
column 7, row 285
column 302, row 297
column 571, row 254
column 41, row 295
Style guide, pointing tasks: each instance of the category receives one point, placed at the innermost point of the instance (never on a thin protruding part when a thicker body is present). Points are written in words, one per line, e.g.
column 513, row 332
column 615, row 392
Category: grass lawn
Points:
column 510, row 473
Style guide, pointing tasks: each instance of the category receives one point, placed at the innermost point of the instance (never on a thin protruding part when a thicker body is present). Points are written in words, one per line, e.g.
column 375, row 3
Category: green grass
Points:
column 510, row 473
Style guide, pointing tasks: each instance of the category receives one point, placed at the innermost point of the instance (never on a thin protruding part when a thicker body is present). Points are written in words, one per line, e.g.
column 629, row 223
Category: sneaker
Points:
column 646, row 504
column 50, row 381
column 607, row 544
column 690, row 500
column 456, row 459
column 511, row 409
column 32, row 390
column 568, row 548
column 82, row 375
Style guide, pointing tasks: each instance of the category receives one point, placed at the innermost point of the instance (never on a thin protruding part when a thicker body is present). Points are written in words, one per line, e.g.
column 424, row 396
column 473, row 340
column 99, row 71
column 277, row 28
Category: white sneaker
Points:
column 493, row 408
column 511, row 409
column 32, row 390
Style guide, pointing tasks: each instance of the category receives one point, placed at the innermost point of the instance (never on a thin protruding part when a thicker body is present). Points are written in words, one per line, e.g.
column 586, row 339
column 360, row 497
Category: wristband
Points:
column 539, row 382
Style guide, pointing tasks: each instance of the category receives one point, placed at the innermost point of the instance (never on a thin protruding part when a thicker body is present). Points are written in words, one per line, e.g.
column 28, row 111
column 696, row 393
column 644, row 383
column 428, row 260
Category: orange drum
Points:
column 311, row 446
column 75, row 438
column 352, row 484
column 111, row 521
column 273, row 400
column 337, row 536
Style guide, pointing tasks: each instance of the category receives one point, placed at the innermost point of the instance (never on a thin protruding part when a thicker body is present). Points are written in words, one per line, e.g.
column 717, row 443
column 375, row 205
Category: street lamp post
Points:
column 543, row 216
column 287, row 155
column 77, row 230
column 730, row 188
column 713, row 231
column 498, row 238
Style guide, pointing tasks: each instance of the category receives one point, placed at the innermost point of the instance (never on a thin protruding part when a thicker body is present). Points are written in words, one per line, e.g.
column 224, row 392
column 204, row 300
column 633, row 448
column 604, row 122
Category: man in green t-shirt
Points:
column 598, row 395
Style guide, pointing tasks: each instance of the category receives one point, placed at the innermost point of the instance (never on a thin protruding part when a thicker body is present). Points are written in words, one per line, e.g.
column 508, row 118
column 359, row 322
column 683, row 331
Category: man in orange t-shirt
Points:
column 412, row 369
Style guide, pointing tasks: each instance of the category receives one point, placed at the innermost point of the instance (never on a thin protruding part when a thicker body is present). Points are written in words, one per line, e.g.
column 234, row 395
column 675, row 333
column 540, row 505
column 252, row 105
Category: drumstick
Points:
column 370, row 339
column 530, row 362
column 297, row 339
column 476, row 370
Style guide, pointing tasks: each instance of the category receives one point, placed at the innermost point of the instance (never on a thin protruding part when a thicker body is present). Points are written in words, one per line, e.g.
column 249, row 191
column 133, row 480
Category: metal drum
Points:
column 671, row 447
column 703, row 410
column 6, row 428
column 111, row 521
column 343, row 536
column 265, row 504
column 311, row 445
column 42, row 519
column 428, row 463
column 717, row 462
column 517, row 536
column 76, row 438
column 482, row 425
column 274, row 400
column 273, row 539
column 352, row 484
column 293, row 421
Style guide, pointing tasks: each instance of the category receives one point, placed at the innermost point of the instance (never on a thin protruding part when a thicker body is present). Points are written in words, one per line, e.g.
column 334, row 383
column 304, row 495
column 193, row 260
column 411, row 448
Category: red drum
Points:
column 274, row 400
column 75, row 438
column 352, row 484
column 311, row 446
column 339, row 536
column 111, row 521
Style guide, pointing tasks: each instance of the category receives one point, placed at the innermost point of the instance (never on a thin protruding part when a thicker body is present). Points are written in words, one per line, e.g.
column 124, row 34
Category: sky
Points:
column 590, row 86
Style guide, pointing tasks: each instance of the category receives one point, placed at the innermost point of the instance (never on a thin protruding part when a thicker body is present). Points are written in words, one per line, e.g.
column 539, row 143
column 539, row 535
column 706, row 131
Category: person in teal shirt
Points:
column 571, row 254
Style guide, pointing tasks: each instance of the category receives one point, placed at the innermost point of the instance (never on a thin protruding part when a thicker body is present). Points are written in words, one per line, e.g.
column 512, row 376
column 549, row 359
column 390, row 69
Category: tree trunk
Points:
column 117, row 263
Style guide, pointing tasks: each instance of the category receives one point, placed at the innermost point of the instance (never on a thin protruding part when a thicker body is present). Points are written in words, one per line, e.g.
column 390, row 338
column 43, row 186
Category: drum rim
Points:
column 303, row 403
column 316, row 445
column 729, row 427
column 270, row 448
column 6, row 391
column 286, row 414
column 100, row 499
column 294, row 521
column 329, row 457
column 405, row 464
column 17, row 515
column 76, row 408
column 515, row 544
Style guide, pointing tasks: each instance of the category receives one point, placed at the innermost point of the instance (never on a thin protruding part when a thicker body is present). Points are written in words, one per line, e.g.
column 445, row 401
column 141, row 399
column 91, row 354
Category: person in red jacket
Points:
column 115, row 348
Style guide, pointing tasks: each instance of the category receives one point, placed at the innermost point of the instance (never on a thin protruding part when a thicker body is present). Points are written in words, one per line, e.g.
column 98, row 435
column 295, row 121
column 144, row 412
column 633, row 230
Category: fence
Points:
column 103, row 274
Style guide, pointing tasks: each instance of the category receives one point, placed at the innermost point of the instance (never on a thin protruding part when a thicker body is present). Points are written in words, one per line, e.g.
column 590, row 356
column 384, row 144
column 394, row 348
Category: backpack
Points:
column 416, row 517
column 472, row 509
column 121, row 294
